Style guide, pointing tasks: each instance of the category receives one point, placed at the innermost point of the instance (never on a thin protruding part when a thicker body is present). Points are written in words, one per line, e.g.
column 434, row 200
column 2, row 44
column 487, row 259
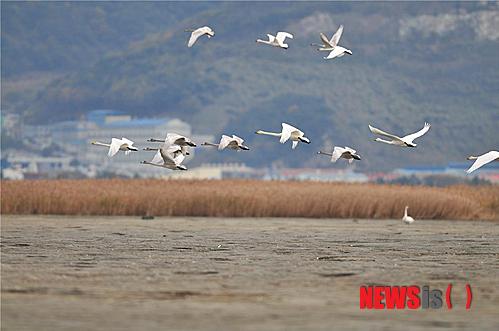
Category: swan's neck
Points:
column 275, row 134
column 472, row 157
column 210, row 144
column 98, row 143
column 153, row 164
column 321, row 152
column 405, row 211
column 263, row 41
column 317, row 45
column 384, row 141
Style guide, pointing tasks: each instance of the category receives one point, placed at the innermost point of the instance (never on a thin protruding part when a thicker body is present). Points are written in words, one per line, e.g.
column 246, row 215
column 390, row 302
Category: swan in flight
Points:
column 482, row 160
column 169, row 157
column 288, row 132
column 278, row 40
column 331, row 46
column 117, row 145
column 174, row 139
column 342, row 152
column 234, row 142
column 407, row 219
column 205, row 30
column 406, row 141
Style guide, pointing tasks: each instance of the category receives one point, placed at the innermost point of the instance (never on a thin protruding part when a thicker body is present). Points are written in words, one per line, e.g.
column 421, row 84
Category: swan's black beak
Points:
column 356, row 156
column 246, row 148
column 305, row 140
column 191, row 144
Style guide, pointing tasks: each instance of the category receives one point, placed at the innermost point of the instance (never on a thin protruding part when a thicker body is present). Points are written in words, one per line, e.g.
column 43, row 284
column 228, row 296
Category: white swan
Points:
column 288, row 132
column 234, row 142
column 278, row 40
column 116, row 145
column 205, row 30
column 406, row 141
column 332, row 45
column 342, row 152
column 407, row 219
column 174, row 139
column 168, row 157
column 482, row 160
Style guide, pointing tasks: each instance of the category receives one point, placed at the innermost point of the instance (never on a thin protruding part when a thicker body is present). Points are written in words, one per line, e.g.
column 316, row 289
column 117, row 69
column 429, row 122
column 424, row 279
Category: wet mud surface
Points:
column 125, row 273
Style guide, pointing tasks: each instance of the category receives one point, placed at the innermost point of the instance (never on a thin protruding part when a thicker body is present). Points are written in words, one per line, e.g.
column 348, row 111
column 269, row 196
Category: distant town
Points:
column 64, row 150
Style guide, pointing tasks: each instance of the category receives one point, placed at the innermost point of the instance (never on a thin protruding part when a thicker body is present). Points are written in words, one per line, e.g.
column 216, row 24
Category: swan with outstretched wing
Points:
column 406, row 141
column 288, row 132
column 482, row 160
column 277, row 40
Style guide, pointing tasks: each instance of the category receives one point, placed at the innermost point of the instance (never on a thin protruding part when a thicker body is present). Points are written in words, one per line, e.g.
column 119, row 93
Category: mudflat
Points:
column 125, row 273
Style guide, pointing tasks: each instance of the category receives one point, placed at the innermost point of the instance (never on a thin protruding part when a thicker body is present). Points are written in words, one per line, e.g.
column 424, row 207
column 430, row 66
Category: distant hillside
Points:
column 411, row 63
column 41, row 36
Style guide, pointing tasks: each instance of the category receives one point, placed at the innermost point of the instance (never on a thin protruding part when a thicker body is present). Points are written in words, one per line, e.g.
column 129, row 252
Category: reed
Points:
column 246, row 198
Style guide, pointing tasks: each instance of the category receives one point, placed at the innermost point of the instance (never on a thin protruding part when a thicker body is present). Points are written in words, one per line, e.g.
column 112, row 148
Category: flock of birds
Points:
column 175, row 147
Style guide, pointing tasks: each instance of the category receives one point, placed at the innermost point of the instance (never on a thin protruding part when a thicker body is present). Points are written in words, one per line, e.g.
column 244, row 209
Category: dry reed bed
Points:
column 245, row 198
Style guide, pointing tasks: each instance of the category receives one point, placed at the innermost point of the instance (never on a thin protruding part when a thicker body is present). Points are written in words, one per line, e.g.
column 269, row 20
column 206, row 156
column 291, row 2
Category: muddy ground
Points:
column 125, row 273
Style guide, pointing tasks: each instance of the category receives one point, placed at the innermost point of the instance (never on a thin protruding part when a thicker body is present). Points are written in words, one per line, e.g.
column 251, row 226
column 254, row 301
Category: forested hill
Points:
column 411, row 63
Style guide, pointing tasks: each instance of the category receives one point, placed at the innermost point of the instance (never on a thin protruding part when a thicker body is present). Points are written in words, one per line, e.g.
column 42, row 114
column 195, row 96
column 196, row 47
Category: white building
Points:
column 218, row 171
column 321, row 175
column 22, row 164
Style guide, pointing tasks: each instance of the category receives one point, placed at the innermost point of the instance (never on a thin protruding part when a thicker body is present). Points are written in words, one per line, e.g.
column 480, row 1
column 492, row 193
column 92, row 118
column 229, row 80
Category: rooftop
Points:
column 101, row 118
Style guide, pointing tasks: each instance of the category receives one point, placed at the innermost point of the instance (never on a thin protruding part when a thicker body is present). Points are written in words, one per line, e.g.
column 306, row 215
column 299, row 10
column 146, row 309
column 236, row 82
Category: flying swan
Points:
column 278, row 40
column 406, row 141
column 288, row 132
column 234, row 142
column 117, row 145
column 482, row 160
column 174, row 139
column 332, row 45
column 205, row 30
column 342, row 152
column 168, row 157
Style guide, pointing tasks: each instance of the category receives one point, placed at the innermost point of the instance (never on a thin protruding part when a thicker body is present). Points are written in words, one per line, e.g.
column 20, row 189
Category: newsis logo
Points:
column 408, row 297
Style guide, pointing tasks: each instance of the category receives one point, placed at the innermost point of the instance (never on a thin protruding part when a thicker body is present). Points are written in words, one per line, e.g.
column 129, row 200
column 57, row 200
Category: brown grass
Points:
column 244, row 198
